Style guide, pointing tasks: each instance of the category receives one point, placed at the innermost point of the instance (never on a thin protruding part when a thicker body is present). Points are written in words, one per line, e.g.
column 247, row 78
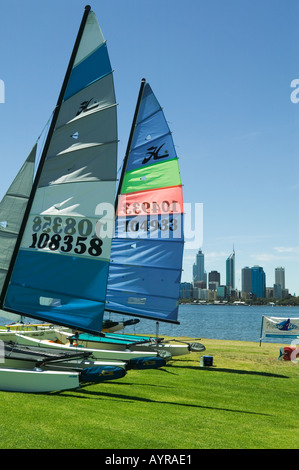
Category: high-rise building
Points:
column 246, row 280
column 186, row 290
column 214, row 276
column 277, row 291
column 199, row 267
column 230, row 270
column 258, row 281
column 222, row 292
column 214, row 280
column 280, row 277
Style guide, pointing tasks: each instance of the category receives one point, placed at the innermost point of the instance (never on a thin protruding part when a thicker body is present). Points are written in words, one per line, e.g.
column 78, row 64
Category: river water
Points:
column 241, row 323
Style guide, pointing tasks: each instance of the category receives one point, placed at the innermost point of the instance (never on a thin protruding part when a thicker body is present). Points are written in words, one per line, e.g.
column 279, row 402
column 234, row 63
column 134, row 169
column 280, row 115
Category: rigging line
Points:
column 45, row 126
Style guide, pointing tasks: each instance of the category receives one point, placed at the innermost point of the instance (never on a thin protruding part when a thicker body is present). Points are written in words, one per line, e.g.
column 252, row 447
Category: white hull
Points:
column 97, row 354
column 147, row 348
column 37, row 381
column 10, row 363
column 49, row 334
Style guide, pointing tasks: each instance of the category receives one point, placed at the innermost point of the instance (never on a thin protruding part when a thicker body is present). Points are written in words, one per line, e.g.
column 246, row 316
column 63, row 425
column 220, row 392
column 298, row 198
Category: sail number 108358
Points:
column 67, row 236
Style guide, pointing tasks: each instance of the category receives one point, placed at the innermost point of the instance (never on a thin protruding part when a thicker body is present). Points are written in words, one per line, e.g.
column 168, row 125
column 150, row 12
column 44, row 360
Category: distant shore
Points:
column 289, row 302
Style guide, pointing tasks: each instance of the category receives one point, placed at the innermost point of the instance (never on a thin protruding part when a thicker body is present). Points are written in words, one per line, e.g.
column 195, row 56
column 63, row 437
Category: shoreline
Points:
column 225, row 341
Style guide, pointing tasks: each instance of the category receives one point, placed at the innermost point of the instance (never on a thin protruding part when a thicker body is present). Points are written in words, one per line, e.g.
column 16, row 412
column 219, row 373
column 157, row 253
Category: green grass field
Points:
column 247, row 400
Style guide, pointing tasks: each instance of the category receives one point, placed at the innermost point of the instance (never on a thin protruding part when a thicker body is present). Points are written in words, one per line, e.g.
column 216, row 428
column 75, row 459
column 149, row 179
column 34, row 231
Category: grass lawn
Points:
column 247, row 400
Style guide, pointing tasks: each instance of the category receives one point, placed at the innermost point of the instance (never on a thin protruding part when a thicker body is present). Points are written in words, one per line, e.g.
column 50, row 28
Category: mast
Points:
column 143, row 81
column 44, row 154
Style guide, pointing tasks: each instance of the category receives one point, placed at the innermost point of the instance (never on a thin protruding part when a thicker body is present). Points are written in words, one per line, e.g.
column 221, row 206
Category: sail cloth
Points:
column 12, row 210
column 273, row 327
column 147, row 248
column 60, row 273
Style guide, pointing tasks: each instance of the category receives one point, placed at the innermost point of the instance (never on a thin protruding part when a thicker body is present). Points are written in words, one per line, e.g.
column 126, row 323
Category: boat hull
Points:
column 18, row 363
column 10, row 335
column 98, row 353
column 139, row 343
column 37, row 381
column 145, row 347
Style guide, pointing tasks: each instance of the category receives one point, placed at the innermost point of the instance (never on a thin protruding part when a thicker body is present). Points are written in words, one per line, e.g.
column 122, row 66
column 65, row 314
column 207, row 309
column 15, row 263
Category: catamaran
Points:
column 62, row 265
column 57, row 261
column 147, row 247
column 146, row 261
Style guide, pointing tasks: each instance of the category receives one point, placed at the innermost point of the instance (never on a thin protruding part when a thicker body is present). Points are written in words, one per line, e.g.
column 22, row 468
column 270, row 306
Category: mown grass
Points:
column 247, row 400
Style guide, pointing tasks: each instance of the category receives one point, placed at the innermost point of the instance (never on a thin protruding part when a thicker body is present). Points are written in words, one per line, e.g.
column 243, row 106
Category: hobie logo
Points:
column 87, row 105
column 153, row 152
column 2, row 92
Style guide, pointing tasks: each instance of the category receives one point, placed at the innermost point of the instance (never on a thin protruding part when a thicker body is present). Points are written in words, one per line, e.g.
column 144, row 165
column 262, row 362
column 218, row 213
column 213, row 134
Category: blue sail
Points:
column 61, row 267
column 147, row 248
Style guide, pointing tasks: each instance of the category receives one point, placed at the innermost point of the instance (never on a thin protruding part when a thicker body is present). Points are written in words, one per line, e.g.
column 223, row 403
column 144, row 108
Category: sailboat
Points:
column 58, row 267
column 67, row 370
column 147, row 247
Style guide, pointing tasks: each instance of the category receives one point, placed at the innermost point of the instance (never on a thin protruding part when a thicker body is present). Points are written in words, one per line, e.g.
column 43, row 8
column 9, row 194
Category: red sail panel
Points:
column 152, row 202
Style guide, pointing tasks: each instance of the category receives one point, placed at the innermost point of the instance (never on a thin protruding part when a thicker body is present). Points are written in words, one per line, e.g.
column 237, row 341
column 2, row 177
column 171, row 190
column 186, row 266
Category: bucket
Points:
column 206, row 361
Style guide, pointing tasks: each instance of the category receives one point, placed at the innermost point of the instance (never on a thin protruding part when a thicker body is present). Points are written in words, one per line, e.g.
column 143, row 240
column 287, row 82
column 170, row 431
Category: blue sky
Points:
column 222, row 72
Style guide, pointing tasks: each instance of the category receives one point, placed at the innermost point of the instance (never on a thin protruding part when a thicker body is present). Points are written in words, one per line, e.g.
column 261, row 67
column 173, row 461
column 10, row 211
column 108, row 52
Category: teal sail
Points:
column 12, row 210
column 60, row 265
column 147, row 249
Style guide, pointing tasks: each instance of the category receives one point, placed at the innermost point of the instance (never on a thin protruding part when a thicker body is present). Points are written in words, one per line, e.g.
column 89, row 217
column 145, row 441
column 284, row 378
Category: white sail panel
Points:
column 91, row 40
column 70, row 227
column 97, row 127
column 92, row 61
column 65, row 248
column 93, row 162
column 97, row 96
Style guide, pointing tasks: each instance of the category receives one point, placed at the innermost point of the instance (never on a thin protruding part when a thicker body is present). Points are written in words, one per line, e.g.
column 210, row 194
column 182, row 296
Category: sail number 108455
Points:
column 67, row 236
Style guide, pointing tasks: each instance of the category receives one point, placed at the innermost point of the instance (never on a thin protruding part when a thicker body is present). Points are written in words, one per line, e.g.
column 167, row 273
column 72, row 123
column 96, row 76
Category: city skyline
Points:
column 252, row 278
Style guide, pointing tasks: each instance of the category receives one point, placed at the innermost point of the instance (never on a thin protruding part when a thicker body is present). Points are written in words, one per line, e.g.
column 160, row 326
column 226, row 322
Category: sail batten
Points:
column 64, row 249
column 147, row 248
column 145, row 144
column 80, row 117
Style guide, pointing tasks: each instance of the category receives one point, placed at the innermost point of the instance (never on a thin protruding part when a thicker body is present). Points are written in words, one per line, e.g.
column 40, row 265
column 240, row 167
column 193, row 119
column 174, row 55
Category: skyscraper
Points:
column 199, row 267
column 230, row 270
column 258, row 281
column 246, row 280
column 280, row 277
column 214, row 280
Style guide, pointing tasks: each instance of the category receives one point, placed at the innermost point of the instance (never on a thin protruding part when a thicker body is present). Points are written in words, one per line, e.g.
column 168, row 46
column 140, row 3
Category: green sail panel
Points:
column 159, row 175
